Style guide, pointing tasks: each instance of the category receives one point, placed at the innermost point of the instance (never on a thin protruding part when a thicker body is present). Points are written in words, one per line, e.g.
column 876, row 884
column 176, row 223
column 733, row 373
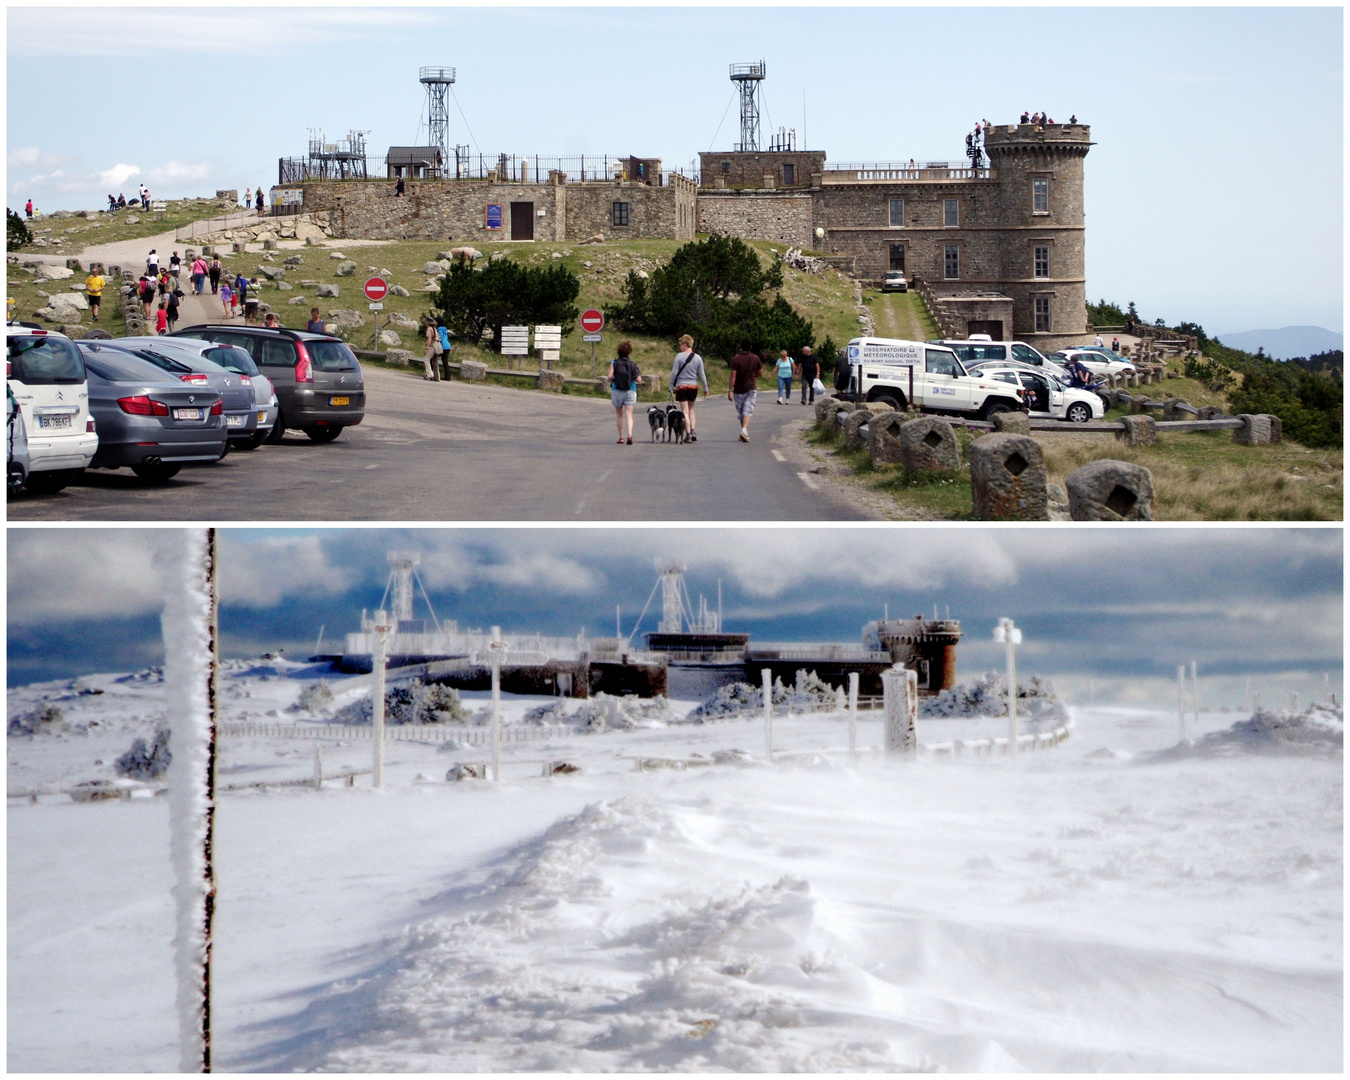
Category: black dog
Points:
column 675, row 423
column 656, row 417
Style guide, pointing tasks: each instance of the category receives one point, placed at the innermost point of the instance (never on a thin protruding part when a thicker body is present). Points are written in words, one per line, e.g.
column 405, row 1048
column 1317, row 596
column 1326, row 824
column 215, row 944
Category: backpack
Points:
column 625, row 374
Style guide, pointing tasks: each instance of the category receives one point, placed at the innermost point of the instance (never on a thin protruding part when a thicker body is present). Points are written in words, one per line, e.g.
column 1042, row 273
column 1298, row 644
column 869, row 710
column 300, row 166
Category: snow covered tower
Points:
column 925, row 646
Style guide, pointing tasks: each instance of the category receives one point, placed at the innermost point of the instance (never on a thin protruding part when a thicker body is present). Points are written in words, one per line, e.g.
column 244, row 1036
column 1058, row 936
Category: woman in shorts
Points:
column 227, row 298
column 623, row 383
column 685, row 375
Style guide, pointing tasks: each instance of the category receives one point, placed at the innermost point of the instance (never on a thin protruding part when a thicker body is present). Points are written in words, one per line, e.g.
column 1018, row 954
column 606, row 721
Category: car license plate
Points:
column 54, row 421
column 236, row 421
column 339, row 401
column 187, row 414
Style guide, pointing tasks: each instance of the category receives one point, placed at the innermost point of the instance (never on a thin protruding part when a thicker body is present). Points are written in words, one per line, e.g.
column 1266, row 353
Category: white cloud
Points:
column 27, row 157
column 58, row 574
column 118, row 175
column 261, row 571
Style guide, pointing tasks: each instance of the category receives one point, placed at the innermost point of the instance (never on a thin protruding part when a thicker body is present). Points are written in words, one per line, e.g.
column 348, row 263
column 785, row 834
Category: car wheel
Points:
column 996, row 407
column 1080, row 412
column 891, row 400
column 157, row 474
column 278, row 431
column 324, row 434
column 50, row 481
column 252, row 442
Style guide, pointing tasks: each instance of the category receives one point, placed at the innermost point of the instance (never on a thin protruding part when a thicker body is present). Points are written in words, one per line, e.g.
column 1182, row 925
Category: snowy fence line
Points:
column 397, row 733
column 1038, row 740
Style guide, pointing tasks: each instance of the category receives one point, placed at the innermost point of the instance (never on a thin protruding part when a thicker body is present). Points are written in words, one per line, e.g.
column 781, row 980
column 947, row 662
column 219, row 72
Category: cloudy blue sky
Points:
column 1214, row 192
column 1121, row 607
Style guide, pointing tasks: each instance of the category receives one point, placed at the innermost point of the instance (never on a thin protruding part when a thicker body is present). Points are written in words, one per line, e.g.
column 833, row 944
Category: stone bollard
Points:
column 1170, row 408
column 853, row 439
column 1111, row 491
column 928, row 445
column 1057, row 502
column 1255, row 430
column 472, row 371
column 1015, row 423
column 1276, row 428
column 74, row 264
column 900, row 689
column 269, row 245
column 1138, row 430
column 239, row 247
column 825, row 410
column 551, row 381
column 399, row 356
column 1007, row 478
column 1210, row 412
column 883, row 438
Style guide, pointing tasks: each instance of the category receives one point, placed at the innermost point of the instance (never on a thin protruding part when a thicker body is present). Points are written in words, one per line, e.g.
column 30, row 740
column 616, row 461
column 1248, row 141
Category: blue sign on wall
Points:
column 494, row 215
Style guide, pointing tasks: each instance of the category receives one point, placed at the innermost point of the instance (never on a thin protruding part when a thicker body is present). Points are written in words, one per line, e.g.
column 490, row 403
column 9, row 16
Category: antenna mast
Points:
column 437, row 80
column 747, row 78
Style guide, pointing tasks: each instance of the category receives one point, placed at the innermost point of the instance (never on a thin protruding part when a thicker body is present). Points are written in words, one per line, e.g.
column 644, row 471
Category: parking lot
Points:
column 455, row 451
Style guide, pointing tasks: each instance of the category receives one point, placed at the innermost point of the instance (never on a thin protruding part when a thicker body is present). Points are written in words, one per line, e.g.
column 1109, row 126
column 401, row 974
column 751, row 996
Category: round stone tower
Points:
column 1040, row 178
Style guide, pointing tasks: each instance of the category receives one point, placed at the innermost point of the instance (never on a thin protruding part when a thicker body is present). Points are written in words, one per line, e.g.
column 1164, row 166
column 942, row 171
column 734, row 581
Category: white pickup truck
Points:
column 929, row 376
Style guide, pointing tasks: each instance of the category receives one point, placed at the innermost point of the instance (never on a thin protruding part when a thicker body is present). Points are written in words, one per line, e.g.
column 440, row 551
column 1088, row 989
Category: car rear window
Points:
column 164, row 363
column 44, row 361
column 331, row 356
column 123, row 367
column 233, row 358
column 976, row 354
column 273, row 352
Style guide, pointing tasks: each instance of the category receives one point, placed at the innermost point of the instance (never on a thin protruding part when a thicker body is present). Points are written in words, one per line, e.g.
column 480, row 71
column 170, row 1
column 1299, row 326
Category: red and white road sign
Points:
column 376, row 288
column 592, row 321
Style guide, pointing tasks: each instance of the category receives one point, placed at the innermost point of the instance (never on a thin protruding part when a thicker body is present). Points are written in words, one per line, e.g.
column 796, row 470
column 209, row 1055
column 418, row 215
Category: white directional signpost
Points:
column 592, row 322
column 376, row 289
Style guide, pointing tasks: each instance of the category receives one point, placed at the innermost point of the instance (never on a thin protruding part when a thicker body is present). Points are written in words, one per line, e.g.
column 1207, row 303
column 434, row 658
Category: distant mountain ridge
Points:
column 1287, row 342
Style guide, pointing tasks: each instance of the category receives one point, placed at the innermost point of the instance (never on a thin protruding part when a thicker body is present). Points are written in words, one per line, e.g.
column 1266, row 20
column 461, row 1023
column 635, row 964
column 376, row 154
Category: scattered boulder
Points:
column 296, row 300
column 407, row 322
column 399, row 356
column 346, row 268
column 336, row 255
column 272, row 273
column 433, row 268
column 1018, row 423
column 48, row 272
column 456, row 252
column 43, row 718
column 344, row 318
column 1007, row 477
column 327, row 290
column 467, row 770
column 398, row 290
column 390, row 338
column 598, row 238
column 294, row 260
column 63, row 304
column 1111, row 491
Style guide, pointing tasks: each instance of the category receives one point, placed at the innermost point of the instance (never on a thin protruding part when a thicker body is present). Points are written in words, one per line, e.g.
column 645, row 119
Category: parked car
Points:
column 980, row 348
column 1046, row 396
column 148, row 420
column 231, row 358
column 17, row 444
column 191, row 365
column 1097, row 361
column 318, row 380
column 46, row 376
column 894, row 281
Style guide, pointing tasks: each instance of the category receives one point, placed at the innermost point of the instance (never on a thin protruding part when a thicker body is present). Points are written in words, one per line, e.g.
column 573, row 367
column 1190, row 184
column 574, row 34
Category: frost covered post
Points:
column 1005, row 633
column 852, row 712
column 1195, row 698
column 190, row 644
column 900, row 689
column 382, row 628
column 768, row 712
column 1181, row 697
column 496, row 647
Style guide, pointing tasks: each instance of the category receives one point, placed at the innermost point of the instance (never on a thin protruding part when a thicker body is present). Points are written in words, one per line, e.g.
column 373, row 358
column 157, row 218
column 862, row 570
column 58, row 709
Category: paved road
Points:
column 459, row 452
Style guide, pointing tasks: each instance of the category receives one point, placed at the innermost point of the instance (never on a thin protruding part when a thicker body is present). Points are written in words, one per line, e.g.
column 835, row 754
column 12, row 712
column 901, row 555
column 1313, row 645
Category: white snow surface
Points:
column 1100, row 905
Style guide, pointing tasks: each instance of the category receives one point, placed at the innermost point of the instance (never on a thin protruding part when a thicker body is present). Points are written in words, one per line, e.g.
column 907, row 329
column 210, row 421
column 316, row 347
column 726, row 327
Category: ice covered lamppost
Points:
column 379, row 662
column 190, row 629
column 1005, row 633
column 496, row 647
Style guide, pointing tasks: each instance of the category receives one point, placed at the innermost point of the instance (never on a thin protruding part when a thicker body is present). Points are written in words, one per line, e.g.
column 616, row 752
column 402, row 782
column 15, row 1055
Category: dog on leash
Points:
column 675, row 426
column 656, row 417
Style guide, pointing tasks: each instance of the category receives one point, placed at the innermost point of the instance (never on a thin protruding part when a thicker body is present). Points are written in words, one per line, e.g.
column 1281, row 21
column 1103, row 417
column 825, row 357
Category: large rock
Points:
column 327, row 290
column 1016, row 423
column 405, row 322
column 399, row 356
column 456, row 252
column 398, row 290
column 308, row 232
column 928, row 445
column 48, row 272
column 68, row 302
column 1111, row 491
column 551, row 380
column 472, row 371
column 388, row 337
column 272, row 273
column 1007, row 478
column 433, row 268
column 344, row 318
column 293, row 260
column 346, row 268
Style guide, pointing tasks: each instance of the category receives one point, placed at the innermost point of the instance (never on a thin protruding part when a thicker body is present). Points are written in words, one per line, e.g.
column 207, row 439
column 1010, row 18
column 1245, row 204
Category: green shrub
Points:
column 16, row 231
column 504, row 293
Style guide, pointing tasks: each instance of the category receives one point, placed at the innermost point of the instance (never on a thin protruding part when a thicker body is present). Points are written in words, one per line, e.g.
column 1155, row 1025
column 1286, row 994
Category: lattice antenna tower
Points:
column 672, row 596
column 747, row 78
column 437, row 80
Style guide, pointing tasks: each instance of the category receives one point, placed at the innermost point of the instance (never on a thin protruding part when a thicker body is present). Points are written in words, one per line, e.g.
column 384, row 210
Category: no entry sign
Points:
column 376, row 288
column 592, row 321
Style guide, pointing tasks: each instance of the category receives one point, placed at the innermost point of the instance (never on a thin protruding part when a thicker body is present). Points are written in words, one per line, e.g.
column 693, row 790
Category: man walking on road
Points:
column 810, row 370
column 94, row 285
column 746, row 368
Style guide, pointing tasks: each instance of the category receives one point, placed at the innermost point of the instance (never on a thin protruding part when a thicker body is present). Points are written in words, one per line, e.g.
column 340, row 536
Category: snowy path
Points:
column 1071, row 910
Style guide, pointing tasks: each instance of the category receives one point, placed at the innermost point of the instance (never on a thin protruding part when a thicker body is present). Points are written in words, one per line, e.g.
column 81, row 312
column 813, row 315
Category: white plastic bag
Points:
column 818, row 387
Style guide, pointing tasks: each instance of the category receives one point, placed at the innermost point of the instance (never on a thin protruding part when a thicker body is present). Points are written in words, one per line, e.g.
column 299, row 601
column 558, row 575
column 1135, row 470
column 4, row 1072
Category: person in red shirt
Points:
column 162, row 317
column 746, row 368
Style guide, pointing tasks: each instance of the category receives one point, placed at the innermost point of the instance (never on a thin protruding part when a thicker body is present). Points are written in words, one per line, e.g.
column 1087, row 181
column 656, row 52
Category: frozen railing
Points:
column 474, row 736
column 892, row 173
column 1036, row 740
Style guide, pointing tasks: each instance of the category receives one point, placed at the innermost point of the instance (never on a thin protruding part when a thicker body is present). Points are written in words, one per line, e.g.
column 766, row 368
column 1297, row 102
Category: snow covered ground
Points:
column 1087, row 907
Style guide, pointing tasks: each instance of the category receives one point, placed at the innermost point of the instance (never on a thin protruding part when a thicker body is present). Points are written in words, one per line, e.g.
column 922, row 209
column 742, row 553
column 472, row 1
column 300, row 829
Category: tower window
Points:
column 1042, row 306
column 789, row 173
column 1042, row 260
column 897, row 212
column 951, row 262
column 620, row 213
column 1040, row 194
column 726, row 166
column 951, row 213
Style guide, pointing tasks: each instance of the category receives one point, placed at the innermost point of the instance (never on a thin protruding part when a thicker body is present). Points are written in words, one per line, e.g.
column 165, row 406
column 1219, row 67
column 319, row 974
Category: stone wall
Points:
column 757, row 215
column 750, row 170
column 654, row 213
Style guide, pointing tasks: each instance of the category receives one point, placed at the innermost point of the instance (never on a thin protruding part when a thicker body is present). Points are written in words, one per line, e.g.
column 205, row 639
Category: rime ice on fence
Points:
column 188, row 653
column 812, row 694
column 988, row 696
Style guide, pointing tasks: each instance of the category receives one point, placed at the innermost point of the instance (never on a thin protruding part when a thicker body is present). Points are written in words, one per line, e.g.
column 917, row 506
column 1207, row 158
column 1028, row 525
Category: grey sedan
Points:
column 196, row 369
column 147, row 419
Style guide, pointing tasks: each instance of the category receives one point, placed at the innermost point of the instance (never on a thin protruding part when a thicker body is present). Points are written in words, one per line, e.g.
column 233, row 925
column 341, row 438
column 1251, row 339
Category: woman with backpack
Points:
column 623, row 383
column 685, row 375
column 213, row 271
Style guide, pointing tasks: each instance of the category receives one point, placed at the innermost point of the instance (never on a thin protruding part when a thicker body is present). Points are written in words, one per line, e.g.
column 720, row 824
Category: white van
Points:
column 980, row 349
column 46, row 376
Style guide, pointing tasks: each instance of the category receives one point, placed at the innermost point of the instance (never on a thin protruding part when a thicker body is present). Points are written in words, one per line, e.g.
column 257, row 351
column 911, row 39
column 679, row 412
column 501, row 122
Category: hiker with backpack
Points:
column 623, row 384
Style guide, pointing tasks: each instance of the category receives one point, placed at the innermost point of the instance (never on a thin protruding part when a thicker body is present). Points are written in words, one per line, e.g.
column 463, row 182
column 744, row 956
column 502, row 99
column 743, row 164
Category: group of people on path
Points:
column 438, row 349
column 687, row 375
